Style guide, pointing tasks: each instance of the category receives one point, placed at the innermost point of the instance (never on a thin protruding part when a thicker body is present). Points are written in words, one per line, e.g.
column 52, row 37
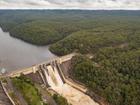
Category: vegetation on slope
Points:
column 115, row 75
column 60, row 100
column 87, row 41
column 91, row 40
column 28, row 90
column 112, row 37
column 43, row 27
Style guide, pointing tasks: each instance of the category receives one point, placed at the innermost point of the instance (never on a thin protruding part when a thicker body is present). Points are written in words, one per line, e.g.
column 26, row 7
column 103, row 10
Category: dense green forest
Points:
column 111, row 38
column 42, row 27
column 91, row 40
column 113, row 73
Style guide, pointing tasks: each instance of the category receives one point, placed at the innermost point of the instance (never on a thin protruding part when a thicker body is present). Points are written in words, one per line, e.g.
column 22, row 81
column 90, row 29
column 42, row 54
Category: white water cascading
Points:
column 73, row 95
column 53, row 77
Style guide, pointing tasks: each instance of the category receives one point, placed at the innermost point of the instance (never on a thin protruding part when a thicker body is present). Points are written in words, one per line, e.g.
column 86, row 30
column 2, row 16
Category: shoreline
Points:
column 13, row 57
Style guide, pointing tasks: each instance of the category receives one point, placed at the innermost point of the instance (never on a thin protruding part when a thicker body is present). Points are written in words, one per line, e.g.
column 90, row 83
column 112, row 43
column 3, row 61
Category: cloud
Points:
column 70, row 4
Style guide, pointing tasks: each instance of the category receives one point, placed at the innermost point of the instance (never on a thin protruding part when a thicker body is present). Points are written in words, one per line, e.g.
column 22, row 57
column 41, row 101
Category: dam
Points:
column 53, row 78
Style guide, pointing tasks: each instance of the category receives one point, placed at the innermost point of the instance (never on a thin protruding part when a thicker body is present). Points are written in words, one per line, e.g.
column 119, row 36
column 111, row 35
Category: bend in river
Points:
column 16, row 54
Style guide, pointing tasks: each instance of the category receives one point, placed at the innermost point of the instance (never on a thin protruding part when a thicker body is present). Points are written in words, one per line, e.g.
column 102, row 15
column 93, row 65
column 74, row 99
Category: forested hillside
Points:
column 42, row 27
column 111, row 38
column 116, row 32
column 113, row 73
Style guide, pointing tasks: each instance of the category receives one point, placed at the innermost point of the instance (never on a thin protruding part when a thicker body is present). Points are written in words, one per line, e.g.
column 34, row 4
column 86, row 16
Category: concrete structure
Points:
column 34, row 68
column 66, row 57
column 52, row 77
column 57, row 82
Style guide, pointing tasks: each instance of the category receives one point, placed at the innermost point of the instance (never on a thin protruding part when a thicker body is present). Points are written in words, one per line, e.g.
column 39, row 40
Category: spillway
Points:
column 74, row 96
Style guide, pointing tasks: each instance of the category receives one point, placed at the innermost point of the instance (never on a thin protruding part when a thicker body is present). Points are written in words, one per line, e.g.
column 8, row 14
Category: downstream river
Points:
column 16, row 54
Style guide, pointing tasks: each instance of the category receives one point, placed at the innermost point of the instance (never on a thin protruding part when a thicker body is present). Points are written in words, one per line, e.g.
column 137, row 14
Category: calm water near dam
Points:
column 16, row 54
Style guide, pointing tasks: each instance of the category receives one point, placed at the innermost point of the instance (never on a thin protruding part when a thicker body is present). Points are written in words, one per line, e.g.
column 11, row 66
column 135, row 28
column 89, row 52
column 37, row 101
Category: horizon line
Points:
column 69, row 9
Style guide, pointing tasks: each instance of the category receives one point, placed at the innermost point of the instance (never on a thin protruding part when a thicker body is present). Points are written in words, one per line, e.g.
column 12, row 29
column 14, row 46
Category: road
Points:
column 3, row 98
column 18, row 95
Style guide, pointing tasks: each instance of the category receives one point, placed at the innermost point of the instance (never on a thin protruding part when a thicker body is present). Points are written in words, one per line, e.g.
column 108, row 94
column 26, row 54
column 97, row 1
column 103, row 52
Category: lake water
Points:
column 16, row 54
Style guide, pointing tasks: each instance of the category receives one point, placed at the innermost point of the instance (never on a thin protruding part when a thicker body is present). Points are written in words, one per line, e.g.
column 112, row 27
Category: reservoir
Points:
column 17, row 54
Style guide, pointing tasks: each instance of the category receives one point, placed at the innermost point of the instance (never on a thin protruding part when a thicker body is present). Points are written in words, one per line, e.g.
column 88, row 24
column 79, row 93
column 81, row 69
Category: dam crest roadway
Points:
column 53, row 78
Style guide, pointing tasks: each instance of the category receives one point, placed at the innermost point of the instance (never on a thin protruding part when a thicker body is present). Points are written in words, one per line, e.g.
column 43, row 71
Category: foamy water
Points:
column 74, row 96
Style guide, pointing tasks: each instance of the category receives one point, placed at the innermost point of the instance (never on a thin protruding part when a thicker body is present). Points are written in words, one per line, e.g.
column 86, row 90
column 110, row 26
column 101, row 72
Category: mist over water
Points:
column 16, row 54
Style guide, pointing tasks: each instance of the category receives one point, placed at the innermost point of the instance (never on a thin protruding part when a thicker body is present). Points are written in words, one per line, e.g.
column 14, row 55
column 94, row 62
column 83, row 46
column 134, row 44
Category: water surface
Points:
column 16, row 54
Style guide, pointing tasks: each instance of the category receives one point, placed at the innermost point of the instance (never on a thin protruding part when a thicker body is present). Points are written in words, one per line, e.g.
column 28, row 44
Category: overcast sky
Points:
column 70, row 4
